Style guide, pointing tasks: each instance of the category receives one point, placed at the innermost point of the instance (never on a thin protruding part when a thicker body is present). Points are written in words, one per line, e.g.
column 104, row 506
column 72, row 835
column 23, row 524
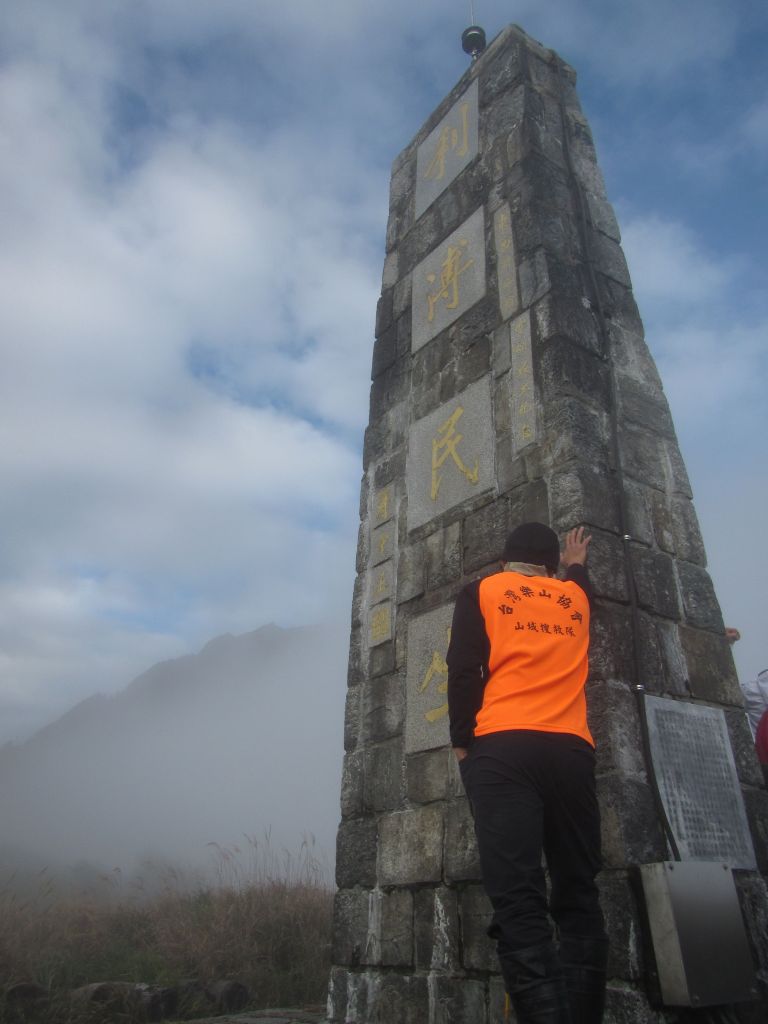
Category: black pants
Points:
column 533, row 793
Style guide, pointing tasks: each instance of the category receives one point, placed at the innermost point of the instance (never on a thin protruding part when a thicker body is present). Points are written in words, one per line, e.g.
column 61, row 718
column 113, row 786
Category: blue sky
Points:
column 194, row 204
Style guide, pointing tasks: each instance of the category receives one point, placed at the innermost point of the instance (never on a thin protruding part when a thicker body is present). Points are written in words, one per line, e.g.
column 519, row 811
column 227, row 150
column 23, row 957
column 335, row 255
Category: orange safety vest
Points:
column 538, row 628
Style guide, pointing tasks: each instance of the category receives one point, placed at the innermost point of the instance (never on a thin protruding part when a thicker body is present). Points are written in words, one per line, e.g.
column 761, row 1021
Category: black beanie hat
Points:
column 534, row 543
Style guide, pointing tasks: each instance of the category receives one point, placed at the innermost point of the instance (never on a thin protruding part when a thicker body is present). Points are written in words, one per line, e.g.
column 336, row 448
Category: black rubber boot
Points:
column 584, row 969
column 536, row 986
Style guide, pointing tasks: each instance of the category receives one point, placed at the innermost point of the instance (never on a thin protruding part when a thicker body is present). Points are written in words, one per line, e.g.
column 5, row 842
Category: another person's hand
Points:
column 460, row 752
column 732, row 635
column 575, row 547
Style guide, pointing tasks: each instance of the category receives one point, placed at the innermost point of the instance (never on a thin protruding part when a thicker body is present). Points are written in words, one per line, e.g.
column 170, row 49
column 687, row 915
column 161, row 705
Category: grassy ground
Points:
column 264, row 921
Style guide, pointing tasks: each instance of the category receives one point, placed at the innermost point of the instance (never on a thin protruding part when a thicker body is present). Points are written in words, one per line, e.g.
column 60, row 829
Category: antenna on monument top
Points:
column 473, row 38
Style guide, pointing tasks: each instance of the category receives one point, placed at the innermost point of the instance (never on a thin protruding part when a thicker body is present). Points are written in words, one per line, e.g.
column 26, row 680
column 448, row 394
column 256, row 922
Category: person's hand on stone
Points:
column 575, row 547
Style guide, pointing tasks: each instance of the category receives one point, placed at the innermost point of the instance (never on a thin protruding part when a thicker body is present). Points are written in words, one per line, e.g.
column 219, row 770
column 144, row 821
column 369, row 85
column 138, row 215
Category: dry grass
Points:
column 265, row 921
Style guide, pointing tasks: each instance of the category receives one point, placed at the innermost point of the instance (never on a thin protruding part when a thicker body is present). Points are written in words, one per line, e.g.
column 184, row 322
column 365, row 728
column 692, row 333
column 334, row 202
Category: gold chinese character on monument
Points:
column 382, row 506
column 437, row 669
column 444, row 446
column 452, row 269
column 383, row 541
column 380, row 626
column 456, row 139
column 382, row 584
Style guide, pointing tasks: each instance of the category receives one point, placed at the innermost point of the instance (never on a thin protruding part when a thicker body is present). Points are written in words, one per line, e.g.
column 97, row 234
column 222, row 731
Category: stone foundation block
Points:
column 427, row 776
column 411, row 846
column 455, row 1000
column 711, row 673
column 478, row 951
column 631, row 833
column 356, row 854
column 436, row 923
column 461, row 859
column 350, row 926
column 384, row 784
column 383, row 708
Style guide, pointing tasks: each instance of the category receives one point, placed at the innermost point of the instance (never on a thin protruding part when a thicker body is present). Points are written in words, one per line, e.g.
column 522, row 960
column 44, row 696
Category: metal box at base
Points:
column 699, row 941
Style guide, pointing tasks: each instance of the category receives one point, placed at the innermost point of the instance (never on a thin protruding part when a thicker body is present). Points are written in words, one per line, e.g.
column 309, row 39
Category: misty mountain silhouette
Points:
column 243, row 738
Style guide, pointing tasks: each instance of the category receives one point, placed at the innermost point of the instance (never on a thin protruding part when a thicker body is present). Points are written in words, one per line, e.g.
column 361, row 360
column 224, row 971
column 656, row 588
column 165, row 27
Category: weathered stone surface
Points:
column 473, row 361
column 630, row 831
column 394, row 997
column 687, row 535
column 455, row 1000
column 410, row 572
column 576, row 433
column 427, row 776
column 674, row 667
column 443, row 556
column 411, row 846
column 350, row 926
column 484, row 534
column 461, row 859
column 661, row 519
column 384, row 783
column 644, row 404
column 743, row 747
column 436, row 921
column 475, row 917
column 580, row 494
column 606, row 566
column 610, row 650
column 756, row 803
column 381, row 661
column 534, row 278
column 678, row 473
column 352, row 715
column 383, row 708
column 624, row 1005
column 699, row 601
column 567, row 369
column 711, row 674
column 384, row 350
column 623, row 924
column 643, row 456
column 506, row 262
column 356, row 853
column 337, row 994
column 753, row 898
column 655, row 582
column 565, row 314
column 352, row 776
column 390, row 928
column 614, row 724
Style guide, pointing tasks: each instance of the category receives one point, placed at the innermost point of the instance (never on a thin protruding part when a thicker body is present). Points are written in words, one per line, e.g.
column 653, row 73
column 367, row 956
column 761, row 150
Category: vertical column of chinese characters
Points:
column 523, row 396
column 382, row 560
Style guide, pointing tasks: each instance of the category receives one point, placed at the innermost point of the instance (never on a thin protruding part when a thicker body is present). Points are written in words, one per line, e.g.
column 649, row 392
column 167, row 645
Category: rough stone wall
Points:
column 493, row 389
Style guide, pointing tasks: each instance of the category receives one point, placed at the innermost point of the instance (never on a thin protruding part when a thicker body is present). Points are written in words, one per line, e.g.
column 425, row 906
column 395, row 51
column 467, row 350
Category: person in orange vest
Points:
column 517, row 666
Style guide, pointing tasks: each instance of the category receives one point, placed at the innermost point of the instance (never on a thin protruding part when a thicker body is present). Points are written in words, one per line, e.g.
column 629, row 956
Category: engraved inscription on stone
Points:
column 523, row 397
column 426, row 714
column 380, row 624
column 449, row 281
column 506, row 267
column 697, row 779
column 383, row 505
column 382, row 543
column 450, row 454
column 382, row 582
column 447, row 150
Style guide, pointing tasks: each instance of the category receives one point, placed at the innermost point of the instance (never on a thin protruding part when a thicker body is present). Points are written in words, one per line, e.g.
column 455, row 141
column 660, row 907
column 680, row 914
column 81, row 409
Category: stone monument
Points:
column 511, row 381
